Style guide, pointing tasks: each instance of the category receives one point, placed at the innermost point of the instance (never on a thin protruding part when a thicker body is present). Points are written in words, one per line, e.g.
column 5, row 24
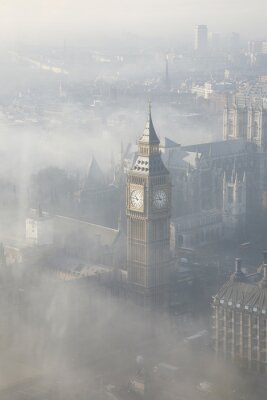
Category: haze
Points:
column 133, row 199
column 82, row 17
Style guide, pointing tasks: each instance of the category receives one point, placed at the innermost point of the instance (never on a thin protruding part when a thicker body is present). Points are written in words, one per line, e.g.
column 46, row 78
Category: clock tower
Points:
column 148, row 221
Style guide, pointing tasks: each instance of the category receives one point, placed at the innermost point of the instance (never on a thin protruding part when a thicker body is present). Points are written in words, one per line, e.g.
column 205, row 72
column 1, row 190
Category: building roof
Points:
column 149, row 165
column 70, row 268
column 37, row 214
column 180, row 158
column 149, row 135
column 105, row 235
column 222, row 148
column 169, row 144
column 95, row 176
column 199, row 219
column 243, row 295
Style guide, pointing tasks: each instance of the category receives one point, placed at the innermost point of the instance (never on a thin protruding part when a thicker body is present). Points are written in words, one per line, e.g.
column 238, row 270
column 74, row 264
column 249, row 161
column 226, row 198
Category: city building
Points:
column 98, row 200
column 148, row 208
column 234, row 42
column 197, row 229
column 240, row 318
column 212, row 197
column 211, row 90
column 39, row 228
column 75, row 238
column 256, row 47
column 201, row 38
column 246, row 118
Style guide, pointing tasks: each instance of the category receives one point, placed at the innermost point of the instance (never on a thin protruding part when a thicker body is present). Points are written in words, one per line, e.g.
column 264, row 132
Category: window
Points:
column 230, row 128
column 230, row 194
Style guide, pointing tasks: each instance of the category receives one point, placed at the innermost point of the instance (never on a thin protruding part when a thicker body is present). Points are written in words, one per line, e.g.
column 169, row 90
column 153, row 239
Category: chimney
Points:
column 238, row 275
column 263, row 282
column 238, row 265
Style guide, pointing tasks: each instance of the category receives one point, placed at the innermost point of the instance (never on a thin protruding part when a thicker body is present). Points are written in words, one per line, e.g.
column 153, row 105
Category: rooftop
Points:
column 242, row 293
column 221, row 148
column 149, row 135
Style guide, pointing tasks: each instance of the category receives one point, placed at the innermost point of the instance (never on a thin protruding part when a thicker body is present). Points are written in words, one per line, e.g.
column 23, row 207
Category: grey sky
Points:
column 135, row 16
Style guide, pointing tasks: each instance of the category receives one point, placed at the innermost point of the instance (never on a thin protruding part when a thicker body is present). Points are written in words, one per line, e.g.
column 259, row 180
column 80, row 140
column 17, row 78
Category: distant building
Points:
column 234, row 42
column 205, row 90
column 95, row 243
column 201, row 38
column 39, row 228
column 75, row 238
column 214, row 40
column 247, row 121
column 240, row 318
column 234, row 201
column 257, row 51
column 167, row 76
column 98, row 201
column 197, row 229
column 256, row 47
column 210, row 90
column 211, row 189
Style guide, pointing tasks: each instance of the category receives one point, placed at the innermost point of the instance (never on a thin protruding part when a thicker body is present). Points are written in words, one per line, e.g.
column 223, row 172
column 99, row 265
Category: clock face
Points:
column 160, row 199
column 136, row 199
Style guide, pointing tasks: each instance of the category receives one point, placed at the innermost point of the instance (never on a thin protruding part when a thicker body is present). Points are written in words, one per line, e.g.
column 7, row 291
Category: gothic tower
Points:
column 148, row 221
column 234, row 202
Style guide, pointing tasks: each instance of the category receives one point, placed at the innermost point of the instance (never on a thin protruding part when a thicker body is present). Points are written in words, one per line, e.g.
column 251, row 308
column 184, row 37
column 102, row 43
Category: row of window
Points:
column 137, row 229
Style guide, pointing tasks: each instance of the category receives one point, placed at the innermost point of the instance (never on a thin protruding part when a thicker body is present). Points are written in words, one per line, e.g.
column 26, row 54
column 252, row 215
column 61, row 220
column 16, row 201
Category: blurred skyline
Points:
column 43, row 19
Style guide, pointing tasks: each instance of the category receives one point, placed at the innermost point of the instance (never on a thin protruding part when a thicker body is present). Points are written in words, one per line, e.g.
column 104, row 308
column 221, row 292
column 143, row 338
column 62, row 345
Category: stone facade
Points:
column 247, row 121
column 148, row 209
column 240, row 319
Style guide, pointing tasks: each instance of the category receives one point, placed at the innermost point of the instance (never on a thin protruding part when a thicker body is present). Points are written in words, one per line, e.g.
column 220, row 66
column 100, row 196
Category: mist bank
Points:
column 70, row 338
column 52, row 21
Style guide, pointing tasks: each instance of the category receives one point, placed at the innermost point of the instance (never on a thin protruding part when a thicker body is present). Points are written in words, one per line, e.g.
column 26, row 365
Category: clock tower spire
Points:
column 148, row 220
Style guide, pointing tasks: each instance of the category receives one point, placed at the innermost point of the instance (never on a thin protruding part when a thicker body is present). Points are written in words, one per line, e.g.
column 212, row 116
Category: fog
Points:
column 83, row 18
column 63, row 339
column 105, row 296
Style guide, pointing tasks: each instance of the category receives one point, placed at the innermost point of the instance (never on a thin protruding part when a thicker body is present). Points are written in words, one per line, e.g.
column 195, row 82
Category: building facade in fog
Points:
column 240, row 318
column 216, row 190
column 39, row 228
column 247, row 121
column 234, row 200
column 257, row 47
column 98, row 200
column 201, row 38
column 196, row 229
column 148, row 220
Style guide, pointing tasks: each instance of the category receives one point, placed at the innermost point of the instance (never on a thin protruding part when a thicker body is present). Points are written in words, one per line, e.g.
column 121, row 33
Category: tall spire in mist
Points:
column 149, row 134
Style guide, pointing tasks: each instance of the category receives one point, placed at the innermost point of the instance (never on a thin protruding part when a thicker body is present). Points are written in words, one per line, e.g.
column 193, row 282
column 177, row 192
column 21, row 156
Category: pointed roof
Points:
column 94, row 169
column 95, row 174
column 149, row 134
column 168, row 143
